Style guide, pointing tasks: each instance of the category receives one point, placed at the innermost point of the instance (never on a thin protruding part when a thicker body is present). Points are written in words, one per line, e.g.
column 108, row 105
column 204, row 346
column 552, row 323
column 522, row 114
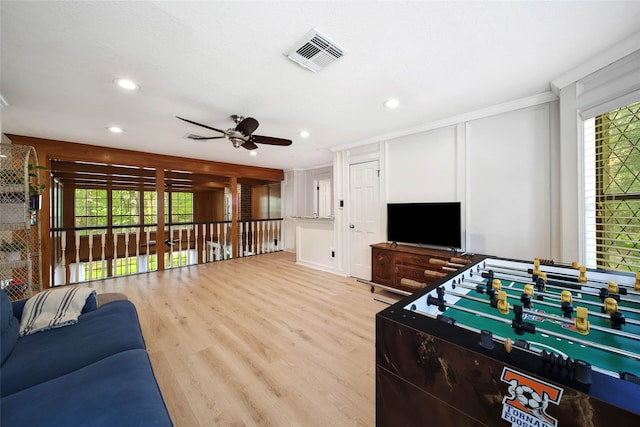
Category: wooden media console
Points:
column 409, row 268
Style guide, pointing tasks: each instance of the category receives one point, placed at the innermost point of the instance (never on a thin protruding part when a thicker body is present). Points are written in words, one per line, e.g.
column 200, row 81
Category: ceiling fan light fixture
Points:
column 126, row 84
column 304, row 134
column 115, row 129
column 253, row 153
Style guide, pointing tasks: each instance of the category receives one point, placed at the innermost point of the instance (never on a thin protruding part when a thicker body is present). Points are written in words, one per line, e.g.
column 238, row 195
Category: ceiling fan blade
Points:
column 270, row 140
column 200, row 124
column 201, row 138
column 247, row 126
column 249, row 145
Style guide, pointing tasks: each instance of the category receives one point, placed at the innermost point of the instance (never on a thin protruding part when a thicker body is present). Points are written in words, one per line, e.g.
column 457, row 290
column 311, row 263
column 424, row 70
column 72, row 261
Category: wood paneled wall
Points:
column 207, row 206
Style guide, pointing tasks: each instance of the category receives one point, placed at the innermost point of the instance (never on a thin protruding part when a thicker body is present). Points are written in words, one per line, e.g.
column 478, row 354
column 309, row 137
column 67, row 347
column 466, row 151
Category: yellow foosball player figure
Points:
column 636, row 286
column 536, row 266
column 581, row 321
column 542, row 275
column 567, row 305
column 610, row 305
column 616, row 318
column 613, row 288
column 496, row 284
column 503, row 305
column 582, row 277
column 527, row 296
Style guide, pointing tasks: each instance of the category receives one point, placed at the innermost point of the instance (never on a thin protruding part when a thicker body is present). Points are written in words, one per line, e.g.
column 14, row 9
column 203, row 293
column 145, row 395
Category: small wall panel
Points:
column 422, row 167
column 509, row 184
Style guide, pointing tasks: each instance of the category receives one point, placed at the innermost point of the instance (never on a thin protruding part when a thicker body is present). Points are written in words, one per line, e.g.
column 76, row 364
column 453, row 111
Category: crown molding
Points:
column 505, row 107
column 597, row 62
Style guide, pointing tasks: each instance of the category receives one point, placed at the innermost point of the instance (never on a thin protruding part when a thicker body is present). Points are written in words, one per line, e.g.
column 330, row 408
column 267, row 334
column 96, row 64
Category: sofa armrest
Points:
column 18, row 306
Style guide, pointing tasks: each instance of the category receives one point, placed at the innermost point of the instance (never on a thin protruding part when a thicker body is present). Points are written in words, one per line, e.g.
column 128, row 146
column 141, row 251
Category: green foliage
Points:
column 620, row 159
column 181, row 207
column 618, row 136
column 11, row 177
column 35, row 189
column 16, row 177
column 92, row 207
column 12, row 246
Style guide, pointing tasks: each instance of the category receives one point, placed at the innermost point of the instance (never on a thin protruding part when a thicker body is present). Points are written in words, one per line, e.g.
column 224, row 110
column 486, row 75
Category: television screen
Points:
column 433, row 224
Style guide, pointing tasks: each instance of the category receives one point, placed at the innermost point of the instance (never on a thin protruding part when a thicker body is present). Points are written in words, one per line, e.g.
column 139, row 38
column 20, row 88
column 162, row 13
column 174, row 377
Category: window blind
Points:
column 612, row 189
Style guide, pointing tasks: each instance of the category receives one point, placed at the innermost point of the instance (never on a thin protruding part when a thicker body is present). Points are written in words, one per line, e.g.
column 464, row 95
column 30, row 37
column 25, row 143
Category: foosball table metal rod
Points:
column 571, row 286
column 548, row 332
column 553, row 297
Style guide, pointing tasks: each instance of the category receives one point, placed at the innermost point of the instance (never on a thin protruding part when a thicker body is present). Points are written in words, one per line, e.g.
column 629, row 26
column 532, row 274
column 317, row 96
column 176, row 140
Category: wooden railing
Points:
column 92, row 253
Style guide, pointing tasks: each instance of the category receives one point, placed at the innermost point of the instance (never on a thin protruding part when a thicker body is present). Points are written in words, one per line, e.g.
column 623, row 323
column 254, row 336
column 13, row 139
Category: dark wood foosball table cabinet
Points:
column 471, row 350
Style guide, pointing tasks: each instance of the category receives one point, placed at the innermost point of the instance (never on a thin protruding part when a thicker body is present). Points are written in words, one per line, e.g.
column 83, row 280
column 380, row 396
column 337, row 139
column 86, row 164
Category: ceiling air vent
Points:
column 315, row 51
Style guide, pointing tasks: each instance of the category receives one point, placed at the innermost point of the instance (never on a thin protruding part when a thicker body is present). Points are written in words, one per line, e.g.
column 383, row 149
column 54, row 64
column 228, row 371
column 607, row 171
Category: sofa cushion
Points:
column 53, row 308
column 47, row 355
column 119, row 390
column 8, row 327
column 90, row 305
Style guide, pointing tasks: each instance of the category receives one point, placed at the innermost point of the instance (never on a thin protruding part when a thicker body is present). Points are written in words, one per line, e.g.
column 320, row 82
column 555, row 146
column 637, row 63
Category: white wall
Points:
column 509, row 190
column 584, row 95
column 289, row 200
column 514, row 167
column 314, row 243
column 422, row 167
column 497, row 166
column 311, row 239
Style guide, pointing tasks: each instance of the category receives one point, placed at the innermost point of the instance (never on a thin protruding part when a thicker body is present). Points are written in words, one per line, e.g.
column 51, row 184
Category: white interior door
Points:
column 364, row 216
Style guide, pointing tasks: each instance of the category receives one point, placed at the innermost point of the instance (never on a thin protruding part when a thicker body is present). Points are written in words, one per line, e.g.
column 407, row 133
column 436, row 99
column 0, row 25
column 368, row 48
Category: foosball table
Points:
column 508, row 342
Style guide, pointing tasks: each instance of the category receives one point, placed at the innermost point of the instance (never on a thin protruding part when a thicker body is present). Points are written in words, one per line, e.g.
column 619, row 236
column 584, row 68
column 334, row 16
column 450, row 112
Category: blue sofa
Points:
column 94, row 373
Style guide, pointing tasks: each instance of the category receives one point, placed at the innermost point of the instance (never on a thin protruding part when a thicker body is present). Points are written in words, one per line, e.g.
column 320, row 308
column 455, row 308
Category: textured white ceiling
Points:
column 208, row 60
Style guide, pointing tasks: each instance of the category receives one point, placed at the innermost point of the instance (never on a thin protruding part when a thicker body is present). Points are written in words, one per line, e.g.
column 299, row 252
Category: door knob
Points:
column 352, row 226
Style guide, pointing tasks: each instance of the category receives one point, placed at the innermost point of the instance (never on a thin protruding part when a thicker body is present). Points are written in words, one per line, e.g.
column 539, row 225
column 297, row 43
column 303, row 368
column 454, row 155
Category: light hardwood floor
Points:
column 258, row 341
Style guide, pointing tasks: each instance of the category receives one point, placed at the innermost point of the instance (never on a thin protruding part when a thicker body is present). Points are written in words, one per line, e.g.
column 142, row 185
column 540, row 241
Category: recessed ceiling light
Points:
column 126, row 84
column 391, row 103
column 304, row 134
column 116, row 129
column 253, row 153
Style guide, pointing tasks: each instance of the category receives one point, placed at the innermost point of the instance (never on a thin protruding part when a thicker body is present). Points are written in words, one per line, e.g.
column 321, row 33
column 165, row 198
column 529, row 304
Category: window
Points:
column 125, row 210
column 612, row 189
column 150, row 209
column 91, row 208
column 181, row 208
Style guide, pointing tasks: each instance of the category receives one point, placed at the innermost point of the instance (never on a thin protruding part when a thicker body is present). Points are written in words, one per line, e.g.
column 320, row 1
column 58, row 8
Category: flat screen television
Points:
column 430, row 224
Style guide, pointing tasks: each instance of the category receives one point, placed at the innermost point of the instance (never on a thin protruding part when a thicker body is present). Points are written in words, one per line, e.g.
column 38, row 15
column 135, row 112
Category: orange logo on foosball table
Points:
column 528, row 400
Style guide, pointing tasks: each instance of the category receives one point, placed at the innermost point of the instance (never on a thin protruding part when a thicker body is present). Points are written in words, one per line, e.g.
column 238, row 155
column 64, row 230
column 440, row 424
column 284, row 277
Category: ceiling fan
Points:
column 240, row 136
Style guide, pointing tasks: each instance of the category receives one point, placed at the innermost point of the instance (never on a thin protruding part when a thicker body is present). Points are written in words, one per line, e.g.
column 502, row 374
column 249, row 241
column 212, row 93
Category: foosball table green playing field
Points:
column 525, row 343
